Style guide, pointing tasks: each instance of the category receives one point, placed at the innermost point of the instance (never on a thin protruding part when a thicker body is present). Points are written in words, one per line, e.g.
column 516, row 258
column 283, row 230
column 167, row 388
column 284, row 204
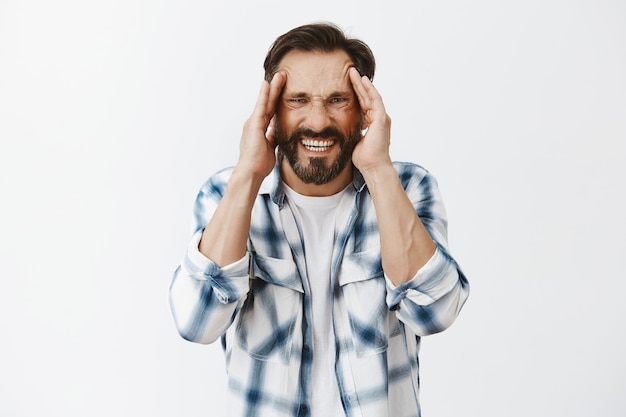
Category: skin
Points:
column 314, row 90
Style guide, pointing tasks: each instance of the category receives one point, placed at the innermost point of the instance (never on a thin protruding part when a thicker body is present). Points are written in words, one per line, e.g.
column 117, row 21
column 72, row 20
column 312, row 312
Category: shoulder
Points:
column 215, row 185
column 411, row 174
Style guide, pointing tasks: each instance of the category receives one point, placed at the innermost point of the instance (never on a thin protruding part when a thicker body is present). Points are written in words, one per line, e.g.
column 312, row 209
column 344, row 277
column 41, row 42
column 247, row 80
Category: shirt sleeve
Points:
column 203, row 297
column 230, row 283
column 429, row 302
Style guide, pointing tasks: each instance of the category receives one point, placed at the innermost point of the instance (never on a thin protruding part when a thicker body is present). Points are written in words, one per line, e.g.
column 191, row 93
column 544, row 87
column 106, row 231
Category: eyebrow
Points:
column 301, row 94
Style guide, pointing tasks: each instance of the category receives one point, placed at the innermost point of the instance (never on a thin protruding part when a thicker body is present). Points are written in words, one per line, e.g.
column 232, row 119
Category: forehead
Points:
column 316, row 73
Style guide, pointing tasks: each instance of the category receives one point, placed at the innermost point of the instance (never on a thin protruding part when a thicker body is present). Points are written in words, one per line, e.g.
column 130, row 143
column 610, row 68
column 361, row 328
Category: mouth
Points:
column 317, row 145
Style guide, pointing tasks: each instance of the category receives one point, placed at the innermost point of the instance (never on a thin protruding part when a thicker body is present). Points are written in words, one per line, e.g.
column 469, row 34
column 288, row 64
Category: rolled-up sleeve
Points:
column 204, row 297
column 430, row 302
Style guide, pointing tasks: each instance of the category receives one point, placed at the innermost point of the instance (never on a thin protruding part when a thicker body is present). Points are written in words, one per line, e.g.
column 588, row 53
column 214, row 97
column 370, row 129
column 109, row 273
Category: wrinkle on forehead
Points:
column 316, row 74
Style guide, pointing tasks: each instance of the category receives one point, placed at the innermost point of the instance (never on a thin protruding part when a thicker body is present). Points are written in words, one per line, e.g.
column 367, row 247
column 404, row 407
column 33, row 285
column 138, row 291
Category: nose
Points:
column 317, row 117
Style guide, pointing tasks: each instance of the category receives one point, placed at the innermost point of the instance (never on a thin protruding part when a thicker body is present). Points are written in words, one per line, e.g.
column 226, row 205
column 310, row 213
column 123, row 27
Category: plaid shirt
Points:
column 260, row 306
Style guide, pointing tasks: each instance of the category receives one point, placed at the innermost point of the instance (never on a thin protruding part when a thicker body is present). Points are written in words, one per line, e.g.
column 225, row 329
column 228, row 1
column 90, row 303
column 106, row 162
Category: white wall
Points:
column 112, row 113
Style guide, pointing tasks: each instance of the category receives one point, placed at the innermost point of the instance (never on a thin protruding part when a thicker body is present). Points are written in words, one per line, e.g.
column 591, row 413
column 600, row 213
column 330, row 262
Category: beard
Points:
column 317, row 170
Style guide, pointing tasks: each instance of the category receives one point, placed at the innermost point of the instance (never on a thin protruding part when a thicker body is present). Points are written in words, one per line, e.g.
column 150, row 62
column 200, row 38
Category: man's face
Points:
column 318, row 118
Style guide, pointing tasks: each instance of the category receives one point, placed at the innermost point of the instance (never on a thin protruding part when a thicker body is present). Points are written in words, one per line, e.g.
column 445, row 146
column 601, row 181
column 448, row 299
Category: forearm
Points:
column 225, row 237
column 212, row 280
column 406, row 245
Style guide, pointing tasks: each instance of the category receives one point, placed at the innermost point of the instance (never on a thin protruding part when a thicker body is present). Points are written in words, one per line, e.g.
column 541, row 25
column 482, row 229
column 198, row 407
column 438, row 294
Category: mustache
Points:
column 327, row 132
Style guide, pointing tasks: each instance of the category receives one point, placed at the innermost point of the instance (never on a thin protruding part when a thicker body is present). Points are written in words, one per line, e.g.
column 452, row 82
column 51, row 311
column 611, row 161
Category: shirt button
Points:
column 305, row 349
column 303, row 410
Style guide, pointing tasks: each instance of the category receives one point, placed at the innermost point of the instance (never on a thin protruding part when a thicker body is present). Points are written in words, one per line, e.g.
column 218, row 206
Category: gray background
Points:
column 112, row 114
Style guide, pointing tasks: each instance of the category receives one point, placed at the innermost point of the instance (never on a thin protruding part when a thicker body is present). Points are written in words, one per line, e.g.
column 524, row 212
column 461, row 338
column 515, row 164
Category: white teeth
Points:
column 317, row 145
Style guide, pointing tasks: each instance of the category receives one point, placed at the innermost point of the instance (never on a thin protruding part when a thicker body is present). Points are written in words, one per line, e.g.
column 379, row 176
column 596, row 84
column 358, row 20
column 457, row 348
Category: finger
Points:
column 258, row 118
column 374, row 98
column 276, row 88
column 359, row 88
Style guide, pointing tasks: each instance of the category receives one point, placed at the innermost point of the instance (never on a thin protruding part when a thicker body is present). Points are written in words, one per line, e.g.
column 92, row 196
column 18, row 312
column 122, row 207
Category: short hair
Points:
column 322, row 37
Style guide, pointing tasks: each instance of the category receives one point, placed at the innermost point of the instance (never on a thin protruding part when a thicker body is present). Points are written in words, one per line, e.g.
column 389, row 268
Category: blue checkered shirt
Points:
column 260, row 306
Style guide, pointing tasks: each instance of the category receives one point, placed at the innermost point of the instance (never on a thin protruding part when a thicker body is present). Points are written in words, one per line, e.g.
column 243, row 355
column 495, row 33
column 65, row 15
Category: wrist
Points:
column 244, row 174
column 379, row 173
column 243, row 187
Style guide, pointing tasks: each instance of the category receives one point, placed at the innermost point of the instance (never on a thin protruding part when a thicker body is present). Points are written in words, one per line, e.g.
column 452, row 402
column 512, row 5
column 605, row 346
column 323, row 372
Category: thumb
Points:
column 270, row 133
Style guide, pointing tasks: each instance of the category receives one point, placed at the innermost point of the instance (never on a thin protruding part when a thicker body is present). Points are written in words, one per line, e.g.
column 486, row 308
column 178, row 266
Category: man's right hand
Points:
column 257, row 155
column 225, row 238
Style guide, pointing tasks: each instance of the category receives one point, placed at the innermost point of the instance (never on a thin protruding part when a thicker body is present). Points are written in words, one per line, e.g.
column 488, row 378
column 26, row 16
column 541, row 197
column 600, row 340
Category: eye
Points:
column 296, row 102
column 336, row 100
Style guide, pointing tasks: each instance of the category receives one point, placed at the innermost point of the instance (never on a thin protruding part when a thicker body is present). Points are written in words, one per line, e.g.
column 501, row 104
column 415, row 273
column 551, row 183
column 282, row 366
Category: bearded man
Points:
column 318, row 261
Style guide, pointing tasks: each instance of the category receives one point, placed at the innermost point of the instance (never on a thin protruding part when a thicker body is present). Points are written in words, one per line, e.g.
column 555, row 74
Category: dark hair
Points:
column 322, row 37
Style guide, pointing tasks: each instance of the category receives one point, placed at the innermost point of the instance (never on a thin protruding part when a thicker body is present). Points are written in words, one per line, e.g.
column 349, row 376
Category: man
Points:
column 318, row 261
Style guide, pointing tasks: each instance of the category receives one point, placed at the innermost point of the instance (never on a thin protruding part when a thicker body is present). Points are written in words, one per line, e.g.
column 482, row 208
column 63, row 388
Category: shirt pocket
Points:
column 363, row 288
column 270, row 314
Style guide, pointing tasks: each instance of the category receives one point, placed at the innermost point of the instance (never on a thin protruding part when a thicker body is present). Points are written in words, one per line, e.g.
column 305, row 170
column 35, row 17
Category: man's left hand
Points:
column 372, row 152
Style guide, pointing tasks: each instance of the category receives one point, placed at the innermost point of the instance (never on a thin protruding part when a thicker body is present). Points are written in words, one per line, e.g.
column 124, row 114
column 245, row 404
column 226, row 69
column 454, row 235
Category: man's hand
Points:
column 405, row 243
column 224, row 239
column 372, row 152
column 257, row 148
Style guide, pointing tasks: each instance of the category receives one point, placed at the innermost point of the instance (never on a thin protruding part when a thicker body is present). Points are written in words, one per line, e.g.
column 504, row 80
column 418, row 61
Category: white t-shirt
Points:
column 316, row 219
